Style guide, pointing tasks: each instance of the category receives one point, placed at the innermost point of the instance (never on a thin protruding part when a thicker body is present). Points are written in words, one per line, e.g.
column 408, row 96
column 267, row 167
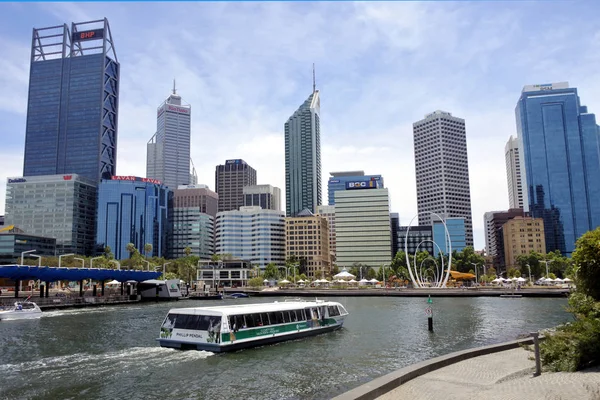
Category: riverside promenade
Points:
column 503, row 375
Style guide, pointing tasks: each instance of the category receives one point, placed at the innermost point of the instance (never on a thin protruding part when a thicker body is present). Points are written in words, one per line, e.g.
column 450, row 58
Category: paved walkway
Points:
column 501, row 376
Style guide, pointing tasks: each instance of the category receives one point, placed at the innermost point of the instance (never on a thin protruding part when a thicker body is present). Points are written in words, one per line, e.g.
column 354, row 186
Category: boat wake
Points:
column 59, row 313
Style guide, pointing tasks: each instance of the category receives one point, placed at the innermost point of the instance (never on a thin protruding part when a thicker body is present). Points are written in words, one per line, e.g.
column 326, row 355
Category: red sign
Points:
column 67, row 177
column 124, row 178
column 150, row 180
column 180, row 110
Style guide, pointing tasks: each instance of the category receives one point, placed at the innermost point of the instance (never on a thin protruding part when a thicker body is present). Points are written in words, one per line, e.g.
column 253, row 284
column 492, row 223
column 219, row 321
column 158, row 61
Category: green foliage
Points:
column 463, row 261
column 255, row 282
column 587, row 257
column 491, row 273
column 271, row 271
column 168, row 275
column 538, row 269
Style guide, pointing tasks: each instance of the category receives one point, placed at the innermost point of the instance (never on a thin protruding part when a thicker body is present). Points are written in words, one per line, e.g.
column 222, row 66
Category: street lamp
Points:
column 167, row 263
column 39, row 259
column 546, row 262
column 476, row 278
column 147, row 265
column 92, row 261
column 361, row 272
column 116, row 262
column 23, row 255
column 529, row 268
column 82, row 261
column 63, row 255
column 383, row 273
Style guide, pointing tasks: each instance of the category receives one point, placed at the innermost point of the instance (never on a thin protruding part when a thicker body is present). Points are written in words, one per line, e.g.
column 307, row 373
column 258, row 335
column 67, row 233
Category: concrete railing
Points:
column 380, row 386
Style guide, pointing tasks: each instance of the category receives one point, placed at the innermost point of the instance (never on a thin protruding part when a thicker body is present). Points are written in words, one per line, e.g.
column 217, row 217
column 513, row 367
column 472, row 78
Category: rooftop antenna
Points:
column 314, row 80
column 174, row 90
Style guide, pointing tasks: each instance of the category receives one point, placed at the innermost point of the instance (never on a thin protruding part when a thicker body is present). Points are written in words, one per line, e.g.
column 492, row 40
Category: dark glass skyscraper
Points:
column 560, row 144
column 73, row 102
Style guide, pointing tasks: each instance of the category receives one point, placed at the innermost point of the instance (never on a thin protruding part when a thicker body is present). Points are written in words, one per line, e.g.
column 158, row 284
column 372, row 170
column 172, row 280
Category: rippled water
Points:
column 111, row 352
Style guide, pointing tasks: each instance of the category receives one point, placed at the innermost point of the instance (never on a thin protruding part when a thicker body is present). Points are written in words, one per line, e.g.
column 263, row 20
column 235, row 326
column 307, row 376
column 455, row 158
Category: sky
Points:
column 245, row 67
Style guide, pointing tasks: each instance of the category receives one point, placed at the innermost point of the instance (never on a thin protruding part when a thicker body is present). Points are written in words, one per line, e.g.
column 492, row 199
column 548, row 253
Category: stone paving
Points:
column 505, row 375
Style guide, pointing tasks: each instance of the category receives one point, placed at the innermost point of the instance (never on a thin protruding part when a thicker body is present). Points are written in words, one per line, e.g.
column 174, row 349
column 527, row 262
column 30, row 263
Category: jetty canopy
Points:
column 53, row 274
column 461, row 276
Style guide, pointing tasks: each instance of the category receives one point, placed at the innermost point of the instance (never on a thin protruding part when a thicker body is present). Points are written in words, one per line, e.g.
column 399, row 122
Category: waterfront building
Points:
column 494, row 239
column 337, row 181
column 73, row 103
column 168, row 151
column 328, row 212
column 513, row 173
column 442, row 169
column 232, row 273
column 395, row 227
column 522, row 235
column 1, row 220
column 458, row 235
column 252, row 234
column 62, row 207
column 265, row 196
column 14, row 242
column 303, row 157
column 419, row 238
column 363, row 231
column 133, row 210
column 194, row 211
column 559, row 141
column 307, row 239
column 230, row 180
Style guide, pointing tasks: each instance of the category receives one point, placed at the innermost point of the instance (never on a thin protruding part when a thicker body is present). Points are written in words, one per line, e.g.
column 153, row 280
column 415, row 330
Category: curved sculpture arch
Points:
column 413, row 270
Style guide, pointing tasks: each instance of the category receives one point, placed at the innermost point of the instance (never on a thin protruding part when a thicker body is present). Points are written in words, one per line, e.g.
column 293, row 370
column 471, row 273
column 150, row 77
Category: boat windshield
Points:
column 193, row 322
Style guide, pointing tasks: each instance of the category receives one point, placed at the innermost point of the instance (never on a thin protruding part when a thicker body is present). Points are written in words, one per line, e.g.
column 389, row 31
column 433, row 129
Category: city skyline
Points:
column 244, row 98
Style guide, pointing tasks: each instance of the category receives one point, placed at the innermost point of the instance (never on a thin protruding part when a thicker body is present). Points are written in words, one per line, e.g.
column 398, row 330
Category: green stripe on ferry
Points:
column 273, row 330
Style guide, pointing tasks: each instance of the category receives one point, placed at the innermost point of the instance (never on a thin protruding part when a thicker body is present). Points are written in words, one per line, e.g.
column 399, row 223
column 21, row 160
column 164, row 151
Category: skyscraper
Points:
column 559, row 141
column 265, row 196
column 337, row 181
column 168, row 151
column 442, row 169
column 513, row 173
column 230, row 180
column 73, row 102
column 303, row 156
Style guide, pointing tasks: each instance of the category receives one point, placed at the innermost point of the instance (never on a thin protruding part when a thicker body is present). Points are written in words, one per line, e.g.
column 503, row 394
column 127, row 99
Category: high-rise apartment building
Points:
column 265, row 196
column 303, row 157
column 194, row 211
column 363, row 231
column 62, row 207
column 134, row 210
column 252, row 234
column 337, row 181
column 230, row 180
column 73, row 104
column 328, row 212
column 513, row 173
column 559, row 141
column 442, row 169
column 494, row 241
column 522, row 235
column 168, row 151
column 307, row 239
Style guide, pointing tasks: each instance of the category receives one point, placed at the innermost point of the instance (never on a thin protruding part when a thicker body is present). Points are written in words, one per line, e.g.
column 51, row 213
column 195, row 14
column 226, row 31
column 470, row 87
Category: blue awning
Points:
column 52, row 274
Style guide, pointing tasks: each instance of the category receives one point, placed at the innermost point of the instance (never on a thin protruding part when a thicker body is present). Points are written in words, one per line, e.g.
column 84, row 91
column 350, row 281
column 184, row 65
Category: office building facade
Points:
column 420, row 238
column 73, row 103
column 442, row 169
column 337, row 181
column 252, row 234
column 522, row 235
column 13, row 244
column 395, row 227
column 458, row 236
column 133, row 210
column 513, row 173
column 266, row 197
column 494, row 237
column 194, row 212
column 303, row 157
column 307, row 239
column 328, row 212
column 363, row 231
column 168, row 151
column 230, row 180
column 62, row 207
column 559, row 139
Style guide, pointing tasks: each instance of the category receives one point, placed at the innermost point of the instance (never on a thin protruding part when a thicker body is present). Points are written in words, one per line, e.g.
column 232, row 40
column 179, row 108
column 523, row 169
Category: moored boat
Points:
column 21, row 310
column 228, row 328
column 237, row 296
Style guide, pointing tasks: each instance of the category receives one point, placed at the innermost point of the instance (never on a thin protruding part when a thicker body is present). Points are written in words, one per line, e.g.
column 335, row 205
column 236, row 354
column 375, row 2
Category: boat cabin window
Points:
column 194, row 322
column 27, row 306
column 333, row 311
column 236, row 322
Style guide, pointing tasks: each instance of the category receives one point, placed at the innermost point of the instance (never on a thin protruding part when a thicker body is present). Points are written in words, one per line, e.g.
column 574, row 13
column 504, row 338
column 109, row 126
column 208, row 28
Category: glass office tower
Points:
column 133, row 210
column 73, row 100
column 560, row 146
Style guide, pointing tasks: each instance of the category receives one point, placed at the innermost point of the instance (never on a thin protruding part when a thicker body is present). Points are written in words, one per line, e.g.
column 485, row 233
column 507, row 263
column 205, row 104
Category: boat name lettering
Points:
column 194, row 335
column 267, row 331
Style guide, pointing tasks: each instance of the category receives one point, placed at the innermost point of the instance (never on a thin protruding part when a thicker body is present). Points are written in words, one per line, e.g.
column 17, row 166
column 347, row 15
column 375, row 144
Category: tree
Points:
column 491, row 273
column 533, row 260
column 271, row 271
column 187, row 251
column 130, row 249
column 587, row 258
column 255, row 282
column 464, row 260
column 108, row 254
column 147, row 249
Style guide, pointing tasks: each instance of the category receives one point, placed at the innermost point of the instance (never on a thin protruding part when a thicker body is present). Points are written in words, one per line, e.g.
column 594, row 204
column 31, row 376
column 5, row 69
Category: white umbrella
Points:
column 558, row 280
column 351, row 281
column 113, row 282
column 301, row 281
column 284, row 281
column 344, row 274
column 567, row 280
column 374, row 280
column 521, row 279
column 266, row 281
column 497, row 280
column 363, row 280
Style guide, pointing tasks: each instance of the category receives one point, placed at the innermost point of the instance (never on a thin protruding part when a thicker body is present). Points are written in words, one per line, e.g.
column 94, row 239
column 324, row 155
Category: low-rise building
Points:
column 521, row 236
column 231, row 273
column 328, row 212
column 307, row 239
column 13, row 243
column 419, row 238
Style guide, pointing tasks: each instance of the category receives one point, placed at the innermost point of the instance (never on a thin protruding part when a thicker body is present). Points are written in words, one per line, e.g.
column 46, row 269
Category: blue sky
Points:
column 245, row 67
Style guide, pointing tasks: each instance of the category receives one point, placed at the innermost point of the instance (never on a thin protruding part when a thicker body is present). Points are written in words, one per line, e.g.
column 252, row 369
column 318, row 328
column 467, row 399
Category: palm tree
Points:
column 147, row 249
column 130, row 249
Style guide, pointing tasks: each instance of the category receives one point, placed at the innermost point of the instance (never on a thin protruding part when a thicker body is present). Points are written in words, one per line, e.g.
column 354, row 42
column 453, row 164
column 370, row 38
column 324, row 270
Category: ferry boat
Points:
column 229, row 328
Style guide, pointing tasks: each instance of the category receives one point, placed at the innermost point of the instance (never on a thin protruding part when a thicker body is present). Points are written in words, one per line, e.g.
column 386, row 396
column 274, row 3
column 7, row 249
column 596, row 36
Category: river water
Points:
column 109, row 353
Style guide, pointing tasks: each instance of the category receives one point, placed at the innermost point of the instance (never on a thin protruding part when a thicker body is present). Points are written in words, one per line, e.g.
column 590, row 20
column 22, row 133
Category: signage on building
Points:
column 88, row 35
column 546, row 86
column 334, row 181
column 67, row 177
column 233, row 162
column 20, row 241
column 160, row 111
column 150, row 180
column 361, row 185
column 124, row 178
column 375, row 178
column 17, row 180
column 180, row 110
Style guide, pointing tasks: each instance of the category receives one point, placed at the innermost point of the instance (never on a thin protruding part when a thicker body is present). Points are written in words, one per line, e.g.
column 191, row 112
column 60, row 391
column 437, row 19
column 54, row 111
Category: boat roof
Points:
column 252, row 308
